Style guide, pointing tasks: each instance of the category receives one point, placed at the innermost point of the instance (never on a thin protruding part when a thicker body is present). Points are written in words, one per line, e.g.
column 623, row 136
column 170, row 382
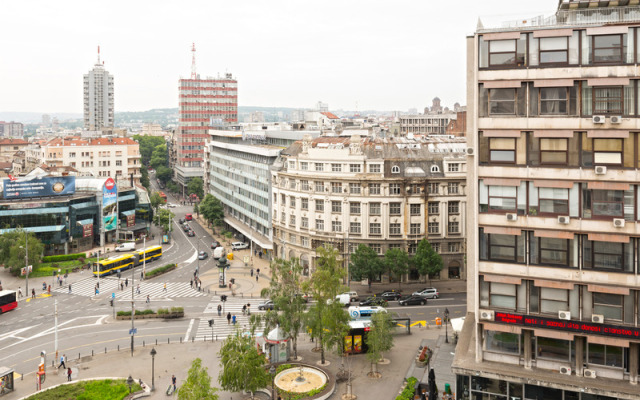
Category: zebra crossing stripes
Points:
column 221, row 327
column 155, row 290
column 86, row 287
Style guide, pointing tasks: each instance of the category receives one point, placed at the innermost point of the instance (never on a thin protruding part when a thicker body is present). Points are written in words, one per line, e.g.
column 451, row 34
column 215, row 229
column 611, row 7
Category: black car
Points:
column 215, row 244
column 390, row 295
column 186, row 228
column 181, row 221
column 191, row 233
column 374, row 301
column 412, row 300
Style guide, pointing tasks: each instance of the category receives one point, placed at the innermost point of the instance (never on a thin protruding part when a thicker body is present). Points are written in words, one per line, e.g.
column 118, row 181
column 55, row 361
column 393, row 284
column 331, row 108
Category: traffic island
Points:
column 105, row 389
column 164, row 313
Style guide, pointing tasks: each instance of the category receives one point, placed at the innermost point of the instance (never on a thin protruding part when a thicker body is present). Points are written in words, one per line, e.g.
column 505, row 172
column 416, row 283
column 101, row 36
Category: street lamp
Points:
column 130, row 383
column 272, row 371
column 26, row 260
column 153, row 375
column 446, row 327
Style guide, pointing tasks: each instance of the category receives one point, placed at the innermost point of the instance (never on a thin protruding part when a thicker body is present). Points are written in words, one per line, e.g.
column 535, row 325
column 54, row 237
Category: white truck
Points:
column 128, row 246
column 219, row 252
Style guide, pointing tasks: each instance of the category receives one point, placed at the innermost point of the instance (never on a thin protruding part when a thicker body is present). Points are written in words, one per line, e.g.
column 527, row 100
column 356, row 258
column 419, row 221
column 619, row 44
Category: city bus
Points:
column 151, row 253
column 113, row 265
column 8, row 300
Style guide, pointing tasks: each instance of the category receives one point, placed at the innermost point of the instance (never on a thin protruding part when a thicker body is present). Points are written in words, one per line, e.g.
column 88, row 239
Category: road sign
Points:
column 133, row 331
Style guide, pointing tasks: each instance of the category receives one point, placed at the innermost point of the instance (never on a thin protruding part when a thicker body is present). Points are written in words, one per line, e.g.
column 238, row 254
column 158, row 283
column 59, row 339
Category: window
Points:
column 609, row 305
column 454, row 207
column 394, row 188
column 319, row 166
column 336, row 187
column 292, row 220
column 502, row 295
column 434, row 227
column 304, row 166
column 453, row 187
column 502, row 342
column 292, row 164
column 284, row 199
column 553, row 201
column 502, row 101
column 375, row 229
column 336, row 226
column 550, row 251
column 319, row 186
column 374, row 188
column 118, row 163
column 607, row 151
column 432, row 188
column 553, row 151
column 554, row 50
column 553, row 101
column 434, row 208
column 435, row 247
column 354, row 208
column 374, row 208
column 319, row 224
column 453, row 247
column 607, row 100
column 453, row 227
column 415, row 229
column 435, row 168
column 319, row 205
column 376, row 247
column 502, row 198
column 336, row 167
column 394, row 208
column 608, row 256
column 605, row 203
column 283, row 217
column 304, row 185
column 355, row 168
column 502, row 247
column 304, row 222
column 395, row 169
column 415, row 209
column 305, row 241
column 355, row 188
column 453, row 167
column 502, row 150
column 548, row 300
column 304, row 203
column 611, row 356
column 354, row 227
column 505, row 53
column 395, row 230
column 555, row 349
column 292, row 202
column 607, row 49
column 374, row 168
column 336, row 206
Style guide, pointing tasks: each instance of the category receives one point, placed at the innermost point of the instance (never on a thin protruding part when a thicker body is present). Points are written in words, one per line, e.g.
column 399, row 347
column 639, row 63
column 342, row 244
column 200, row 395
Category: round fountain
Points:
column 300, row 379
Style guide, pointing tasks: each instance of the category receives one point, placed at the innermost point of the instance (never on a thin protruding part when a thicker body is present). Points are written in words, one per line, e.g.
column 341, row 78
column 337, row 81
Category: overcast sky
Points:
column 373, row 54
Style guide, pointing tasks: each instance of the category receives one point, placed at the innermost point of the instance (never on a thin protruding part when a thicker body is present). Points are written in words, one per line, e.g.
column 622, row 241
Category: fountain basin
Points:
column 289, row 379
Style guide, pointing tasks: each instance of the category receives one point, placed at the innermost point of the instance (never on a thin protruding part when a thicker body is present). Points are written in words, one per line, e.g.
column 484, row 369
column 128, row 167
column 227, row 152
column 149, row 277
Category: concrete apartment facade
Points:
column 11, row 129
column 426, row 124
column 383, row 193
column 553, row 281
column 98, row 98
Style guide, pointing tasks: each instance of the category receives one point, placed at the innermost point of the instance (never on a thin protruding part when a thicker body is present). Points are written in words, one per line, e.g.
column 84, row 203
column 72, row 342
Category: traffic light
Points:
column 211, row 322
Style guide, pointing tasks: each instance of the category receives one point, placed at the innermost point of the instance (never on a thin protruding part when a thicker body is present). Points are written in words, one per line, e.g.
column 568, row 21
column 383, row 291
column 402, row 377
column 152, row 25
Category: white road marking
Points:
column 186, row 336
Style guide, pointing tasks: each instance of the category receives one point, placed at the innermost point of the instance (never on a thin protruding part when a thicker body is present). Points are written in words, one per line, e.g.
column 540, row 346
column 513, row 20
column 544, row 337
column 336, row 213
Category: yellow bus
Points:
column 150, row 253
column 113, row 265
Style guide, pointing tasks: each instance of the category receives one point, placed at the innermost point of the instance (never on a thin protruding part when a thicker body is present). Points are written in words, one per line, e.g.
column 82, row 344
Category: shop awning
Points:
column 36, row 229
column 38, row 211
column 127, row 197
column 85, row 221
column 127, row 213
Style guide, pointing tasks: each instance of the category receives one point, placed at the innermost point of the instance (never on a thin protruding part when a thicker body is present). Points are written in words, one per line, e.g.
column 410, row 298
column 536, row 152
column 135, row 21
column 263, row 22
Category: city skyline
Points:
column 354, row 56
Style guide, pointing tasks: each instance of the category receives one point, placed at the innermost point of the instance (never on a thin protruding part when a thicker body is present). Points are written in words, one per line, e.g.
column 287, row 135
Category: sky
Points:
column 351, row 54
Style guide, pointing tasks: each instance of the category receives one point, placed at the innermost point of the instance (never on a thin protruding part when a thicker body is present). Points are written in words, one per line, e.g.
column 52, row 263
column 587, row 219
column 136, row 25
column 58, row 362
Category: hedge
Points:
column 160, row 270
column 408, row 391
column 64, row 257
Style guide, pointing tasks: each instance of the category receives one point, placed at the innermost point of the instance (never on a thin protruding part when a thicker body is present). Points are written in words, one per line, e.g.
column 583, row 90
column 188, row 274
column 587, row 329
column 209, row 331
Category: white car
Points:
column 171, row 205
column 239, row 246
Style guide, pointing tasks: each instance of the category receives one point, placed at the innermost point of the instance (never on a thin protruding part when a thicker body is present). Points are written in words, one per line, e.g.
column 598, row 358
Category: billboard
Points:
column 22, row 188
column 109, row 205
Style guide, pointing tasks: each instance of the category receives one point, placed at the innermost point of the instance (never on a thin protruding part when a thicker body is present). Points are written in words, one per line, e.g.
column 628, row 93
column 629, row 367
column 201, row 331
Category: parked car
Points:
column 427, row 293
column 181, row 221
column 353, row 296
column 412, row 300
column 191, row 233
column 390, row 295
column 185, row 227
column 303, row 296
column 239, row 245
column 266, row 305
column 374, row 301
column 202, row 255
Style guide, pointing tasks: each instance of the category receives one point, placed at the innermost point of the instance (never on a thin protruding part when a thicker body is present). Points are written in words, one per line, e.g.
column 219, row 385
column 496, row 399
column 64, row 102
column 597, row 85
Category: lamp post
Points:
column 272, row 371
column 130, row 383
column 133, row 310
column 153, row 375
column 446, row 330
column 26, row 259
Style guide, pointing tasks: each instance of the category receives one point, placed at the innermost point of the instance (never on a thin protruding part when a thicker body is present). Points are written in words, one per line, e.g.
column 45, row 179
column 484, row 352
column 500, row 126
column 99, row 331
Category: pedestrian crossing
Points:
column 221, row 328
column 155, row 290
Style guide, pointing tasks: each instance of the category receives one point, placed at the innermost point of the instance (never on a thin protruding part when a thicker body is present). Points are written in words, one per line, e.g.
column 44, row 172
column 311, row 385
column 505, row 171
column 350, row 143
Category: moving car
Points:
column 239, row 245
column 390, row 295
column 427, row 293
column 374, row 301
column 266, row 305
column 185, row 227
column 171, row 205
column 191, row 233
column 188, row 217
column 215, row 244
column 202, row 255
column 181, row 221
column 218, row 252
column 412, row 300
column 129, row 246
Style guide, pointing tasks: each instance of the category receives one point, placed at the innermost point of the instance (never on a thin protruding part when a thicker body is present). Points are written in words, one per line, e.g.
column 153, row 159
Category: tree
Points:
column 427, row 261
column 163, row 218
column 198, row 384
column 195, row 186
column 159, row 157
column 155, row 200
column 327, row 320
column 147, row 144
column 379, row 339
column 144, row 179
column 12, row 250
column 164, row 174
column 212, row 210
column 365, row 263
column 397, row 263
column 243, row 368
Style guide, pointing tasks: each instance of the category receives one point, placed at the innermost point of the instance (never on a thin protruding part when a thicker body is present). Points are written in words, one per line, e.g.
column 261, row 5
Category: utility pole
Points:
column 133, row 309
column 56, row 327
column 26, row 259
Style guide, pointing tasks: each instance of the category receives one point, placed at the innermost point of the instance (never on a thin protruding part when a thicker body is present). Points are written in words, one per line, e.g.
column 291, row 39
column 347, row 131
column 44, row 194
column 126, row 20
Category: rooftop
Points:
column 10, row 141
column 77, row 141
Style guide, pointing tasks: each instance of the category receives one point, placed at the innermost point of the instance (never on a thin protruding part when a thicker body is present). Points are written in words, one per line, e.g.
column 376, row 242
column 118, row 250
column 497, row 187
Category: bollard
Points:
column 91, row 352
column 143, row 343
column 105, row 350
column 168, row 341
column 156, row 342
column 118, row 347
column 180, row 339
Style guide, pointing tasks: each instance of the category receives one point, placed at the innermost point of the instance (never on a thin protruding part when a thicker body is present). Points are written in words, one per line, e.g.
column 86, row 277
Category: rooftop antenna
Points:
column 98, row 63
column 193, row 61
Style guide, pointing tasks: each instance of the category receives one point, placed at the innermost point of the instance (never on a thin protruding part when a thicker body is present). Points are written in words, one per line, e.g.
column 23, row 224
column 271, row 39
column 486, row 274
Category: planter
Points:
column 423, row 357
column 149, row 316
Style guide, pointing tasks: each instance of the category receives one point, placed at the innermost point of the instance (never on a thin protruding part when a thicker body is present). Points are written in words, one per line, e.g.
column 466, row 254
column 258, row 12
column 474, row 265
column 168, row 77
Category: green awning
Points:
column 36, row 229
column 31, row 211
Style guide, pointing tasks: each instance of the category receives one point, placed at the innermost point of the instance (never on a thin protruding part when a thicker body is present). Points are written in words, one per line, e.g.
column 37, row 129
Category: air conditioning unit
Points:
column 618, row 222
column 565, row 370
column 512, row 217
column 616, row 119
column 600, row 170
column 564, row 314
column 487, row 315
column 564, row 219
column 598, row 119
column 597, row 318
column 589, row 373
column 470, row 151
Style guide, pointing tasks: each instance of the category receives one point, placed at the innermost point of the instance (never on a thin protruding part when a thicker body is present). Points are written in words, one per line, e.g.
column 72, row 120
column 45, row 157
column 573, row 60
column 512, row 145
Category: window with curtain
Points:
column 608, row 49
column 502, row 52
column 607, row 100
column 552, row 300
column 553, row 201
column 502, row 150
column 554, row 151
column 502, row 295
column 553, row 101
column 607, row 151
column 503, row 198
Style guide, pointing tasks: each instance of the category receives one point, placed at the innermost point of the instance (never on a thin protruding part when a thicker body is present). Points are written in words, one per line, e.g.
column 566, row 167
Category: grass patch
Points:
column 47, row 269
column 160, row 270
column 107, row 389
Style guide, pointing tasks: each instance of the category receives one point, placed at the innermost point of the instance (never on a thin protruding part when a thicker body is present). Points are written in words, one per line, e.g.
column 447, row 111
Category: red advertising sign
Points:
column 87, row 230
column 570, row 326
column 109, row 183
column 131, row 220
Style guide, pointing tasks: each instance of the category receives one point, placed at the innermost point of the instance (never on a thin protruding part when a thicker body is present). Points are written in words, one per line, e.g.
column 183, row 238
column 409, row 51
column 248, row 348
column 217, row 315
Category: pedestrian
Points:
column 69, row 375
column 98, row 285
column 95, row 291
column 19, row 292
column 49, row 289
column 173, row 381
column 248, row 308
column 33, row 292
column 229, row 318
column 229, row 285
column 141, row 275
column 44, row 286
column 258, row 271
column 126, row 282
column 244, row 309
column 148, row 299
column 121, row 285
column 256, row 277
column 252, row 272
column 191, row 283
column 69, row 288
column 138, row 289
column 234, row 319
column 62, row 360
column 165, row 287
column 219, row 310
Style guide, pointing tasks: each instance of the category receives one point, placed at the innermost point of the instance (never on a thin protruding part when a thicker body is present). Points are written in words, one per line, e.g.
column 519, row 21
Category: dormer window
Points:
column 395, row 169
column 435, row 168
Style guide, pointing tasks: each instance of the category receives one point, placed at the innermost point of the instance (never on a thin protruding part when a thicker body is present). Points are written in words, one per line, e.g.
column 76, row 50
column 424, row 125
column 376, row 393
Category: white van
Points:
column 344, row 299
column 219, row 252
column 129, row 246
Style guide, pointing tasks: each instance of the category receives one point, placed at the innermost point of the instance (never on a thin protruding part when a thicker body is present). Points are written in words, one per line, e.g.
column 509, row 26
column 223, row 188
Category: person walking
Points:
column 228, row 318
column 19, row 292
column 69, row 288
column 69, row 374
column 148, row 299
column 233, row 319
column 121, row 285
column 219, row 310
column 191, row 283
column 258, row 271
column 49, row 290
column 256, row 277
column 126, row 282
column 244, row 309
column 252, row 272
column 141, row 275
column 138, row 289
column 164, row 289
column 62, row 360
column 173, row 381
column 33, row 293
column 248, row 308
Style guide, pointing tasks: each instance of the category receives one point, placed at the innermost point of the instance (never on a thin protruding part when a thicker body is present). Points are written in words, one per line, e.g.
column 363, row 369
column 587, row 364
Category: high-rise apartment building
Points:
column 554, row 207
column 204, row 103
column 98, row 97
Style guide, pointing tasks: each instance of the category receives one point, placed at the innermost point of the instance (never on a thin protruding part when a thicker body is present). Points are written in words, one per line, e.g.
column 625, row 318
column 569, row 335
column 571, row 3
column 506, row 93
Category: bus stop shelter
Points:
column 6, row 380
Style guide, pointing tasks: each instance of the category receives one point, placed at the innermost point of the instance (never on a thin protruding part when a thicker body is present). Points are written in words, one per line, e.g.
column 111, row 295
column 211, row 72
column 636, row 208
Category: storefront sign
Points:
column 87, row 230
column 109, row 205
column 131, row 220
column 569, row 326
column 22, row 188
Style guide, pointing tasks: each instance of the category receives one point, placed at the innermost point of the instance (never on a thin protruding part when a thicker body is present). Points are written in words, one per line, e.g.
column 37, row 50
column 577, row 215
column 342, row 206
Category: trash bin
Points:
column 447, row 388
column 230, row 256
column 438, row 321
